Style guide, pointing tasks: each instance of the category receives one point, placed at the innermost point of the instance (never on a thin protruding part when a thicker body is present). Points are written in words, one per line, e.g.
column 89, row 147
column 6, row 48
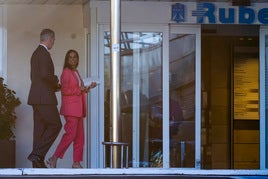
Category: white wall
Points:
column 24, row 24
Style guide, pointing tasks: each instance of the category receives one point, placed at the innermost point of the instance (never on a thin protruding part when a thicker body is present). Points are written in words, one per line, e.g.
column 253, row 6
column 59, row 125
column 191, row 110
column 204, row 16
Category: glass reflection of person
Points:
column 175, row 116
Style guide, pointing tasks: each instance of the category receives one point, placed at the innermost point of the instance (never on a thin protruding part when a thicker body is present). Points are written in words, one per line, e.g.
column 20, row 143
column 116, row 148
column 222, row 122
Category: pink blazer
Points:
column 73, row 99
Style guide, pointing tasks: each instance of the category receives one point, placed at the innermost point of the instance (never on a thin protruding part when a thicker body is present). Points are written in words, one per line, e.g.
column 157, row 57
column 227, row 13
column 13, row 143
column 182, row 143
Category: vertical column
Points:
column 3, row 43
column 115, row 77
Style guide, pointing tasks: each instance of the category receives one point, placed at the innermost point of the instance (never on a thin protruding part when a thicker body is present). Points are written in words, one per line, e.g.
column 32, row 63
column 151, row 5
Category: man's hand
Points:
column 58, row 87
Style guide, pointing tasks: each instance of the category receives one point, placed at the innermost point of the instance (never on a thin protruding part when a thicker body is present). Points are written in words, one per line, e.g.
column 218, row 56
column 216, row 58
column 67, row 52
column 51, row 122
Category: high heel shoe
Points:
column 52, row 162
column 77, row 166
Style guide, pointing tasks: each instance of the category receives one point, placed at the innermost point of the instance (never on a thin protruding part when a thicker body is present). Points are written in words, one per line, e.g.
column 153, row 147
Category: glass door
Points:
column 141, row 86
column 159, row 99
column 184, row 97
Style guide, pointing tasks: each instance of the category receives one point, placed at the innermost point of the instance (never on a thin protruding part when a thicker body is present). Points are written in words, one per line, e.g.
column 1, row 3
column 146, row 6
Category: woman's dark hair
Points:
column 66, row 64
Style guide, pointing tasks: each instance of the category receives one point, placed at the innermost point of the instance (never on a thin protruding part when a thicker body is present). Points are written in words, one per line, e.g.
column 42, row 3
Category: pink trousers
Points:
column 74, row 132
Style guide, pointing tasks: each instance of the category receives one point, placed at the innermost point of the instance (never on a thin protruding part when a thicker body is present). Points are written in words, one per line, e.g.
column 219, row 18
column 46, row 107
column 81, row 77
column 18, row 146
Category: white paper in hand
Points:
column 89, row 80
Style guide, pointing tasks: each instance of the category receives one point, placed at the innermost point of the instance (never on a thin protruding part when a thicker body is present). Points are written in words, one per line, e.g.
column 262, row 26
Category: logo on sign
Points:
column 178, row 12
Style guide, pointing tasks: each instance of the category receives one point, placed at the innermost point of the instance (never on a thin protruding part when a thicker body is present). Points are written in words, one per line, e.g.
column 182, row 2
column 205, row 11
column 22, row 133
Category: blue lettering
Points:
column 223, row 17
column 263, row 16
column 205, row 10
column 246, row 15
column 210, row 12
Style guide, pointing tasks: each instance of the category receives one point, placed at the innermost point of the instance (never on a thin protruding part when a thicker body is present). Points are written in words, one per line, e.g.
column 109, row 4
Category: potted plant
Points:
column 8, row 103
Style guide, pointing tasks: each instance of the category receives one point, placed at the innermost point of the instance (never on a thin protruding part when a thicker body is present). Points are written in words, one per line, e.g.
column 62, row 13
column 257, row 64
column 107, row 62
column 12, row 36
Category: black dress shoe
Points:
column 37, row 162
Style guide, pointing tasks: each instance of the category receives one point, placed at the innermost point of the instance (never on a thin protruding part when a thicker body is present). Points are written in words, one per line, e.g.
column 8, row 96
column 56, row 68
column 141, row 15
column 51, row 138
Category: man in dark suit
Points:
column 42, row 98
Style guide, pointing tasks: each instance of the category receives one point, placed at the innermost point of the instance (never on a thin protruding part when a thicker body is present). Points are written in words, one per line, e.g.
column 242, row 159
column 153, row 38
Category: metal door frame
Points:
column 263, row 123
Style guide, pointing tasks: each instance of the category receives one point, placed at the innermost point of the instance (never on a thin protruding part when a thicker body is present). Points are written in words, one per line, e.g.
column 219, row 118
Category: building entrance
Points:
column 230, row 97
column 158, row 94
column 161, row 135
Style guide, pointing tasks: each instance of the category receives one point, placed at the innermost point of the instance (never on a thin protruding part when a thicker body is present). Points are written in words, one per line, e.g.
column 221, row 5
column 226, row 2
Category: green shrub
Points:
column 8, row 103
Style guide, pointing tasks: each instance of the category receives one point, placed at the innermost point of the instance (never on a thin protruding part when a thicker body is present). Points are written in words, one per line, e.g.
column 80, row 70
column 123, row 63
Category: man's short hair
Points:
column 46, row 34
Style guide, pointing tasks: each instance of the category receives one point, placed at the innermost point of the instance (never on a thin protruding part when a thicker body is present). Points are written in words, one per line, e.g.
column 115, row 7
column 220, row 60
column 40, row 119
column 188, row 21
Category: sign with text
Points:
column 246, row 89
column 220, row 13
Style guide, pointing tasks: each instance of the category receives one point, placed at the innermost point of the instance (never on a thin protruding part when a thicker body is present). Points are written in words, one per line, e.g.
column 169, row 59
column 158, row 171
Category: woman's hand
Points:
column 84, row 89
column 93, row 85
column 87, row 89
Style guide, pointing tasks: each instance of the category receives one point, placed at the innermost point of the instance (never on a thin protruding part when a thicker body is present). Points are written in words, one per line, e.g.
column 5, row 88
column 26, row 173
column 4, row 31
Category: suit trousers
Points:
column 47, row 125
column 74, row 132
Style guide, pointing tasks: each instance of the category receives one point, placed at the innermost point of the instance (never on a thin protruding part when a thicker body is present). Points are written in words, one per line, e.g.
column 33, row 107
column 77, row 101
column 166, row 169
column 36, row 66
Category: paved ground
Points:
column 131, row 173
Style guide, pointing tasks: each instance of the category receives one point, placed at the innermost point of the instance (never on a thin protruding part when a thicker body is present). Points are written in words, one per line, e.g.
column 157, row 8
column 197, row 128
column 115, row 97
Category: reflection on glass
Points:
column 141, row 96
column 182, row 100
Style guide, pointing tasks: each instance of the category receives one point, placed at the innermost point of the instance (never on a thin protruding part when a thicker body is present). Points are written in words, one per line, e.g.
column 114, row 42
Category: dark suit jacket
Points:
column 44, row 81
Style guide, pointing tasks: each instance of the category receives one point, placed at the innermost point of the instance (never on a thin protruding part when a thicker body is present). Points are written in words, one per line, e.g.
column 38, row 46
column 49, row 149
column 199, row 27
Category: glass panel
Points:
column 141, row 96
column 182, row 100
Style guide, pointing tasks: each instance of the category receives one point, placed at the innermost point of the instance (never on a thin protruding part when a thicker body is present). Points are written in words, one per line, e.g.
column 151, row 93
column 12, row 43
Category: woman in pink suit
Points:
column 73, row 109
